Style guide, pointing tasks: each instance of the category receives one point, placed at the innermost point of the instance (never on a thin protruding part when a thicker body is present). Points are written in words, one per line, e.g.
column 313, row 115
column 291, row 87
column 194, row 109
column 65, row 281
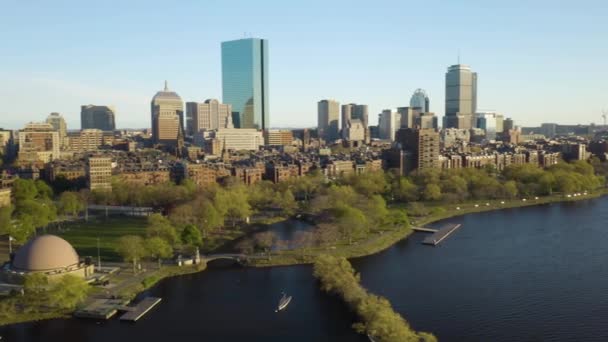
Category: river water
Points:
column 527, row 274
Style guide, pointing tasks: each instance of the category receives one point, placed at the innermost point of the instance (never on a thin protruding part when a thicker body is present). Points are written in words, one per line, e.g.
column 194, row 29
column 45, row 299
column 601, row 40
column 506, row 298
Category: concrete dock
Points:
column 424, row 230
column 100, row 308
column 440, row 234
column 136, row 312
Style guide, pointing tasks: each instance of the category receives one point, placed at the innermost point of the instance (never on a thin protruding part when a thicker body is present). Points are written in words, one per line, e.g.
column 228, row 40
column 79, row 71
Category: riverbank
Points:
column 10, row 308
column 377, row 242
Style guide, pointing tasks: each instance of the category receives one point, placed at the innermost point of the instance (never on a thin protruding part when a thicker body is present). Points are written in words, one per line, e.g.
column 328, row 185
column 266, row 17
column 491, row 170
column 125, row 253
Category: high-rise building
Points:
column 38, row 142
column 507, row 125
column 427, row 120
column 167, row 111
column 245, row 82
column 408, row 116
column 460, row 97
column 328, row 118
column 354, row 111
column 97, row 117
column 421, row 146
column 208, row 115
column 58, row 123
column 420, row 100
column 99, row 173
column 388, row 124
column 491, row 122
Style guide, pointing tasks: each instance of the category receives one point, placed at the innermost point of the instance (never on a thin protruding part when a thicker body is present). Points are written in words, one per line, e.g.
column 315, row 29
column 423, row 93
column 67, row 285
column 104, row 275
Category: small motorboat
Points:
column 371, row 338
column 283, row 302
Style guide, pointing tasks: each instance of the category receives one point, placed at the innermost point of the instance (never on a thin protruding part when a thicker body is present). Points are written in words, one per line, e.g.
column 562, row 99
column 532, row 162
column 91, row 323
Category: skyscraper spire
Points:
column 166, row 86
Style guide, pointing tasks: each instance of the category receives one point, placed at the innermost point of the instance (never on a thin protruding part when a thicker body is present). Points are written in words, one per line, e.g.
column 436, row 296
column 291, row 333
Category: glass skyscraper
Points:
column 245, row 81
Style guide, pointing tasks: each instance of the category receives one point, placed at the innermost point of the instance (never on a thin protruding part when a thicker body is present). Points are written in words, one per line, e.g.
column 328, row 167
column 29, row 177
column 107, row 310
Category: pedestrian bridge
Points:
column 231, row 256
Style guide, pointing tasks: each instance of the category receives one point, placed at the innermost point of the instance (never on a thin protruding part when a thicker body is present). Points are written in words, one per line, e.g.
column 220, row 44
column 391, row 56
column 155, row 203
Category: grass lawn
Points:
column 83, row 235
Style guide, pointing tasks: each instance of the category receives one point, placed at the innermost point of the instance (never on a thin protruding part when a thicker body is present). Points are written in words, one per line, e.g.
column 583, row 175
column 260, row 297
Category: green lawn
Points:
column 83, row 235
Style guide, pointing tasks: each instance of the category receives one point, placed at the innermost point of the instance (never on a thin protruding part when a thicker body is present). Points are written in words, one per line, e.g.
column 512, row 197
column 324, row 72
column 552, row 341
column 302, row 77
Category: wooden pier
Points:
column 136, row 312
column 424, row 230
column 440, row 234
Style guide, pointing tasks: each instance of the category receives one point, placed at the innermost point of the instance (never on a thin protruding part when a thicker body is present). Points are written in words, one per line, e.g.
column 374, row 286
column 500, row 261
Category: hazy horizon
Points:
column 537, row 62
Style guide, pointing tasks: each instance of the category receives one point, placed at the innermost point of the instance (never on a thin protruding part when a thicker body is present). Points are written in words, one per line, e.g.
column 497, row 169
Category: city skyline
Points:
column 526, row 75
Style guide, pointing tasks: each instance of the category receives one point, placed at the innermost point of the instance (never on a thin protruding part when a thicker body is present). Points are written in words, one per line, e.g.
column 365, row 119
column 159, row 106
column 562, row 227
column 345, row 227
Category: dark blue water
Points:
column 529, row 274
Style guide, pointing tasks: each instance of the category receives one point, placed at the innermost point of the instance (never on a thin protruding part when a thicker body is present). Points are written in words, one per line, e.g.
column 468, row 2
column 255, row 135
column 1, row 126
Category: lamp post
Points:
column 98, row 255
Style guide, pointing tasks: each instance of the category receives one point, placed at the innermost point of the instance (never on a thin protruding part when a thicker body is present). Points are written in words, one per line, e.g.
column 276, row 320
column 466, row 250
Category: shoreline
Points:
column 384, row 240
column 371, row 245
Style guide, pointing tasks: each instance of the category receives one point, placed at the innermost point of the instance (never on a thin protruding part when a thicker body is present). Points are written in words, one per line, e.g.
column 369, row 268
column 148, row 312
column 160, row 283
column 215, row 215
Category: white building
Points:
column 239, row 138
column 388, row 124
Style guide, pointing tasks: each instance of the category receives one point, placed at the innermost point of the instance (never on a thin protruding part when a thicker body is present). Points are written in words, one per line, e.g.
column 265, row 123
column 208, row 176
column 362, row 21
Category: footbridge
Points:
column 231, row 256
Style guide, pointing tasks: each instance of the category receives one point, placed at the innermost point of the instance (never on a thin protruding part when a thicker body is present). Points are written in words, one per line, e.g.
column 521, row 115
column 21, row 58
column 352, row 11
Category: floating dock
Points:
column 138, row 311
column 440, row 234
column 100, row 309
column 424, row 230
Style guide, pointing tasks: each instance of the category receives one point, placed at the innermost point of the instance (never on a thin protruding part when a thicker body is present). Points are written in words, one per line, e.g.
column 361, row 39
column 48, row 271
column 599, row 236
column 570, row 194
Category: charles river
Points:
column 528, row 274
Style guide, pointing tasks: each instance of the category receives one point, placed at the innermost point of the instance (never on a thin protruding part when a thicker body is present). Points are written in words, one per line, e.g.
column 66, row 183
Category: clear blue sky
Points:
column 538, row 61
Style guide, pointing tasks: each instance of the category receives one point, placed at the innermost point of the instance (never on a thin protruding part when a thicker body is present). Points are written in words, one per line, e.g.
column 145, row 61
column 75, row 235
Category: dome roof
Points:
column 166, row 95
column 44, row 253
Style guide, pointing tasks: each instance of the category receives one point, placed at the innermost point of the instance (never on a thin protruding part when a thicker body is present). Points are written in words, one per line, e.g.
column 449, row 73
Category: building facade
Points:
column 245, row 82
column 280, row 137
column 167, row 113
column 328, row 117
column 460, row 96
column 208, row 115
column 99, row 173
column 38, row 142
column 388, row 124
column 58, row 123
column 97, row 117
column 239, row 139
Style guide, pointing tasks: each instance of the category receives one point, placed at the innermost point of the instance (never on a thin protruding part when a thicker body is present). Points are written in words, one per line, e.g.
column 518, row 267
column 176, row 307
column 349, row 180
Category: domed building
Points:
column 46, row 254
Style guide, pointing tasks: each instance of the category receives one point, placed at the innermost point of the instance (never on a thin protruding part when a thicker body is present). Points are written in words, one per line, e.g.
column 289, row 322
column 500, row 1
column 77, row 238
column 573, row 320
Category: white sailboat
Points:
column 283, row 302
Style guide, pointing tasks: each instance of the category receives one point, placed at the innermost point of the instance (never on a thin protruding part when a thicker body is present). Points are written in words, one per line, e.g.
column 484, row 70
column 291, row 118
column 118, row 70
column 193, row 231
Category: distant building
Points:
column 490, row 122
column 328, row 117
column 388, row 124
column 5, row 197
column 208, row 115
column 239, row 139
column 99, row 173
column 355, row 133
column 6, row 142
column 408, row 116
column 420, row 100
column 508, row 125
column 452, row 136
column 460, row 97
column 167, row 111
column 427, row 120
column 38, row 142
column 88, row 140
column 58, row 123
column 97, row 117
column 354, row 111
column 280, row 137
column 245, row 82
column 548, row 129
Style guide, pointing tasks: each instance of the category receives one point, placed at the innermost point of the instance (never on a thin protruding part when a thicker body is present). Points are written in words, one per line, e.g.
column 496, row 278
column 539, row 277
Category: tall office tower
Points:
column 460, row 96
column 420, row 100
column 208, row 115
column 421, row 146
column 408, row 116
column 99, row 173
column 58, row 123
column 38, row 142
column 388, row 124
column 245, row 82
column 327, row 120
column 167, row 111
column 98, row 117
column 354, row 111
column 507, row 125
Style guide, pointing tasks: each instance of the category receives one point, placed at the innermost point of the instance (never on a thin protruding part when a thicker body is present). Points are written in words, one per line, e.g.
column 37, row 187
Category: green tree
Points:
column 160, row 226
column 68, row 291
column 265, row 241
column 131, row 248
column 6, row 214
column 351, row 222
column 70, row 203
column 432, row 192
column 158, row 248
column 191, row 235
column 24, row 189
column 43, row 190
column 404, row 190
